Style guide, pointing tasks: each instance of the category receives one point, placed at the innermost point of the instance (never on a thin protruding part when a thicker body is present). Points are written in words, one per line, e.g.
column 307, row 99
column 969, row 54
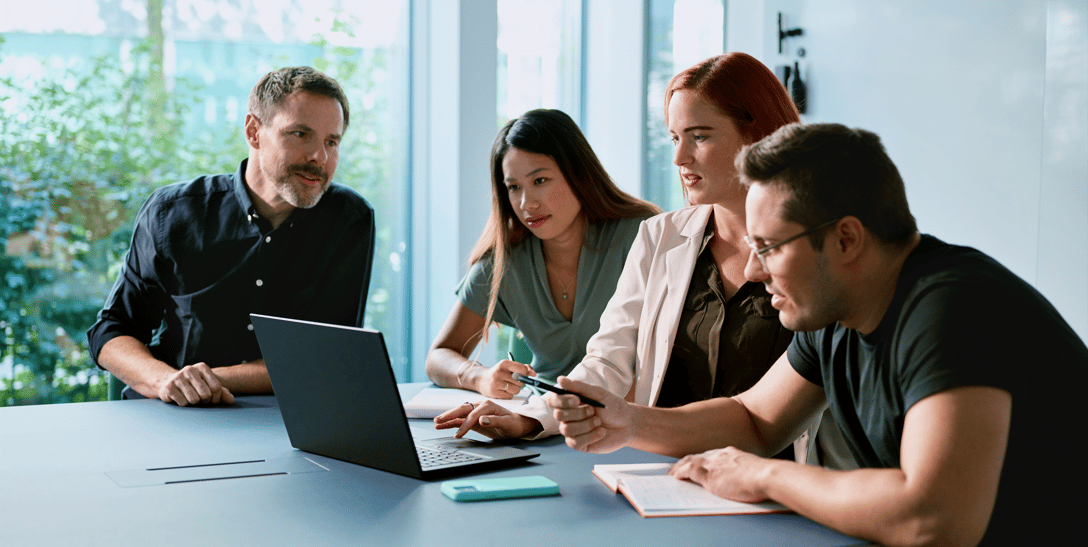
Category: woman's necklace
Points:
column 552, row 269
column 564, row 285
column 564, row 288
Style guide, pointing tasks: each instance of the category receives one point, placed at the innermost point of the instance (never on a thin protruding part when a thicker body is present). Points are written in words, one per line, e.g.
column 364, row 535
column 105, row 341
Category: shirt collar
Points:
column 698, row 221
column 748, row 287
column 241, row 192
column 708, row 233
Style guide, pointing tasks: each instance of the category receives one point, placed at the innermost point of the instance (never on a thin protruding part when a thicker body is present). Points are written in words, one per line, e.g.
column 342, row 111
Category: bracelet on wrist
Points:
column 462, row 372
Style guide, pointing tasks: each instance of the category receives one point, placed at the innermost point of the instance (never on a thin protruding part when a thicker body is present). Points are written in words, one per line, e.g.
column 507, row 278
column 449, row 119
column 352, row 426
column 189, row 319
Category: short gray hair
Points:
column 268, row 95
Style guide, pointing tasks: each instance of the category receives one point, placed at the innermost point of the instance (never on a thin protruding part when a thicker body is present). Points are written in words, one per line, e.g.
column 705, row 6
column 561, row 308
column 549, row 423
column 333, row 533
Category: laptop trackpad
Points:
column 486, row 450
column 423, row 434
column 428, row 433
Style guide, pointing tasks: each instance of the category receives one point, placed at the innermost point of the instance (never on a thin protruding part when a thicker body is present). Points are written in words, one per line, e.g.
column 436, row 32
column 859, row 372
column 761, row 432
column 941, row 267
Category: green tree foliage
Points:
column 80, row 150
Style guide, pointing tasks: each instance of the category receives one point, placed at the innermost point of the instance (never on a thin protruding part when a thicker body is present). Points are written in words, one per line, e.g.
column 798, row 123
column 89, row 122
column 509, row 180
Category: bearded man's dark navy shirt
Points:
column 202, row 260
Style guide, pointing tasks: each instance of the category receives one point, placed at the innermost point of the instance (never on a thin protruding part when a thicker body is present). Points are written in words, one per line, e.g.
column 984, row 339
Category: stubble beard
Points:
column 825, row 303
column 298, row 195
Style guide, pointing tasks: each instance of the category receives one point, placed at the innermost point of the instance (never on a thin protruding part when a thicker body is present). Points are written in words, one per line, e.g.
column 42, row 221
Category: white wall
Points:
column 982, row 104
column 1063, row 197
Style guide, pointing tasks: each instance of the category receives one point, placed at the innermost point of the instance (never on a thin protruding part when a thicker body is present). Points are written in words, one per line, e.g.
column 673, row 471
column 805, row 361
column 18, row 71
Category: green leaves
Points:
column 80, row 150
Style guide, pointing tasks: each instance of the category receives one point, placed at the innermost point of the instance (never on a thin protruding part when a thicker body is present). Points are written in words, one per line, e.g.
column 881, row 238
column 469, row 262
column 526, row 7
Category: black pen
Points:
column 510, row 354
column 545, row 385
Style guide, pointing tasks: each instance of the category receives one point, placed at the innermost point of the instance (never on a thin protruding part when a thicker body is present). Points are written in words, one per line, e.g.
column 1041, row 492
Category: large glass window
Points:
column 539, row 66
column 539, row 63
column 682, row 33
column 104, row 101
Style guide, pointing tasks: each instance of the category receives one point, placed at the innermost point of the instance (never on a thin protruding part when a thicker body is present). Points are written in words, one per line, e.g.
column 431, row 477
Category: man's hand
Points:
column 498, row 381
column 590, row 429
column 489, row 419
column 192, row 385
column 728, row 472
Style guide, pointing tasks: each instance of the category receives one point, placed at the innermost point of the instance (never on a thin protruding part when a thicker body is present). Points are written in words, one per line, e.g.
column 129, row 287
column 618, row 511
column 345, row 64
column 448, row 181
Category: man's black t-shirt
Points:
column 959, row 318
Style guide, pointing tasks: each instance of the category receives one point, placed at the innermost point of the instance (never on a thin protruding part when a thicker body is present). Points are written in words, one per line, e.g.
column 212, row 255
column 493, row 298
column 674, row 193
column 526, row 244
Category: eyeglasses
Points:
column 760, row 251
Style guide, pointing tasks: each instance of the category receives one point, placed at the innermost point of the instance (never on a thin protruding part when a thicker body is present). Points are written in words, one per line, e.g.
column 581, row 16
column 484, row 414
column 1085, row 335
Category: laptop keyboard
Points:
column 429, row 457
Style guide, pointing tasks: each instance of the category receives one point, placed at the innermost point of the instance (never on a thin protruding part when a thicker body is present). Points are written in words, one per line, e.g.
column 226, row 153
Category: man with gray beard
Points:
column 276, row 237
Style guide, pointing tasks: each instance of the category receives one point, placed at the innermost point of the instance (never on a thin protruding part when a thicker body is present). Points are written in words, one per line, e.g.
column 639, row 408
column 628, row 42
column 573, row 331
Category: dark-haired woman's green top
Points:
column 525, row 299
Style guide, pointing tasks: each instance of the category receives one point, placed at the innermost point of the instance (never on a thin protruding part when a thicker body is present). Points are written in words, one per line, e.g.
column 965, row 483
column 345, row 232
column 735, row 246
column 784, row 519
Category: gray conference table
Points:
column 62, row 468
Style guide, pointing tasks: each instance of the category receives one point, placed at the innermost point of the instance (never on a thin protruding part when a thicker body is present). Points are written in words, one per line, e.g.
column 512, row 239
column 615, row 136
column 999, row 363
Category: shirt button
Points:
column 260, row 283
column 249, row 326
column 268, row 239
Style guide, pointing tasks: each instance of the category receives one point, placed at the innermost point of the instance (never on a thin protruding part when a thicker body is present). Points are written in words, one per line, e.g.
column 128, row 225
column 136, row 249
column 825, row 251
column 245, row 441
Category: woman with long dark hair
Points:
column 547, row 261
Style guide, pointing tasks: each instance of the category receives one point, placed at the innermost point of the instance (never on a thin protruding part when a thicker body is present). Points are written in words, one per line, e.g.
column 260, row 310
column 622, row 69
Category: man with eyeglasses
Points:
column 954, row 381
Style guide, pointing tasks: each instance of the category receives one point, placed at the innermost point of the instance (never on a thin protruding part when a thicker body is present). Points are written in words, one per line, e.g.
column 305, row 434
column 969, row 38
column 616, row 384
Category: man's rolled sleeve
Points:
column 134, row 304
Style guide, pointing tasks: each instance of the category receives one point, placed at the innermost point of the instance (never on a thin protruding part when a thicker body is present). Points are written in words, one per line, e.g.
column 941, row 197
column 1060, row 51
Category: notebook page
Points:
column 432, row 401
column 668, row 494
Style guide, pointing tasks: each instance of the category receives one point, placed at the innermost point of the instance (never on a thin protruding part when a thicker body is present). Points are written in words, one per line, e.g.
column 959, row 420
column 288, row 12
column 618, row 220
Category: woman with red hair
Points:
column 684, row 324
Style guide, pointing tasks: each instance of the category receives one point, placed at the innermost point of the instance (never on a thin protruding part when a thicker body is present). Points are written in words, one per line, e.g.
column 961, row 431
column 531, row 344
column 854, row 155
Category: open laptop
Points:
column 339, row 398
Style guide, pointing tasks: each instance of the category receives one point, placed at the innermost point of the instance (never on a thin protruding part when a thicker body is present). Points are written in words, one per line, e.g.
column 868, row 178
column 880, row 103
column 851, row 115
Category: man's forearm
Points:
column 131, row 361
column 872, row 504
column 245, row 378
column 695, row 428
column 943, row 491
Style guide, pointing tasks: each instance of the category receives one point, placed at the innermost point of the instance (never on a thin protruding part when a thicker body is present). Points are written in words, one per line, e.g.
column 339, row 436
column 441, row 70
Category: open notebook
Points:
column 432, row 401
column 653, row 493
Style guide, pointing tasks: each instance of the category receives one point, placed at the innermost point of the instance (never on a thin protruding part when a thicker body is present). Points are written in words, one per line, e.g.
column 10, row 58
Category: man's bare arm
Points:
column 131, row 361
column 245, row 378
column 952, row 451
column 762, row 420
